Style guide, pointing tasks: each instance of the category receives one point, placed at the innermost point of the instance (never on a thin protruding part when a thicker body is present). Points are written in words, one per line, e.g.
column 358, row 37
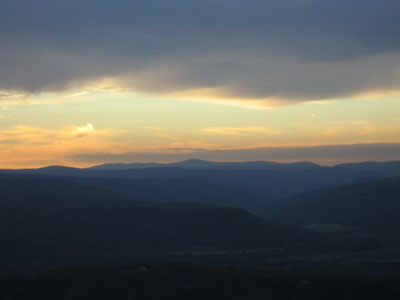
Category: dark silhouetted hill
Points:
column 369, row 205
column 50, row 219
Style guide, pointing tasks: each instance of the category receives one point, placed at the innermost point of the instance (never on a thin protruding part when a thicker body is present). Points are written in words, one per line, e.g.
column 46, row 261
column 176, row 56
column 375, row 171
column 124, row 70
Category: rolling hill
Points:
column 51, row 219
column 373, row 205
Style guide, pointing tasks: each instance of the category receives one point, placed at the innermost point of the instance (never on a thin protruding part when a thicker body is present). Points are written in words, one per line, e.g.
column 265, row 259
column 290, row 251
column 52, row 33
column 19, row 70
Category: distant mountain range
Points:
column 204, row 164
column 247, row 185
column 197, row 164
column 264, row 165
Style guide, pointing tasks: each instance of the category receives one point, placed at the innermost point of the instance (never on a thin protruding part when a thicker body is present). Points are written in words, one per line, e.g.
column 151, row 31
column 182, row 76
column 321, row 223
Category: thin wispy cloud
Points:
column 32, row 146
column 83, row 93
column 24, row 134
column 81, row 131
column 242, row 130
column 4, row 95
column 154, row 128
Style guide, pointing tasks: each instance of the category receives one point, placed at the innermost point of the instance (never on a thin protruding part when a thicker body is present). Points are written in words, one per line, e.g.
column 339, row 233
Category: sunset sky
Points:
column 89, row 82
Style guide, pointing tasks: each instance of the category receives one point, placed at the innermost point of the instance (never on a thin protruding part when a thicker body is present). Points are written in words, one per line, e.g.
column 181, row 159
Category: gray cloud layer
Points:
column 294, row 49
column 330, row 154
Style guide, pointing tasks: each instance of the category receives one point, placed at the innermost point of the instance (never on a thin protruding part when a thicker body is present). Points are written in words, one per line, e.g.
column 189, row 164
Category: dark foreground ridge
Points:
column 52, row 221
column 175, row 281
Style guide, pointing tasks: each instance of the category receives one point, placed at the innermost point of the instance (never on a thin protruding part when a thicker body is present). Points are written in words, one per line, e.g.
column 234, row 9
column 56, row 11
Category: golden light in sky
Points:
column 84, row 84
column 39, row 130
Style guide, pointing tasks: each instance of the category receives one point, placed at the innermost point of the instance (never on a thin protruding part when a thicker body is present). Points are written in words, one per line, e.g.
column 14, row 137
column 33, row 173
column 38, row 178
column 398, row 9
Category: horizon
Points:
column 203, row 160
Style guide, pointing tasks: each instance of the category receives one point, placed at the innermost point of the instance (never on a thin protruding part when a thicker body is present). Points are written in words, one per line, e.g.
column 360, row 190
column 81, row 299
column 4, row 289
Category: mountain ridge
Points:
column 198, row 163
column 372, row 205
column 195, row 163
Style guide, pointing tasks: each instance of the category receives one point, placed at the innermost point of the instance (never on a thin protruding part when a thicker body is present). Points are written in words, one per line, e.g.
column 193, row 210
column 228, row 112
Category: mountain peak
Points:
column 193, row 161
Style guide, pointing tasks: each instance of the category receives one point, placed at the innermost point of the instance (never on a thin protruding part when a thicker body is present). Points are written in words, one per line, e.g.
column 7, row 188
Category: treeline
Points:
column 189, row 281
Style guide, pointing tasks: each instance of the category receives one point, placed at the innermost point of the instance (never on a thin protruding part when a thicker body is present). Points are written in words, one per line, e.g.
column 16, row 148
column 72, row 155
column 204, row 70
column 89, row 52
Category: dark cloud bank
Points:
column 298, row 49
column 330, row 154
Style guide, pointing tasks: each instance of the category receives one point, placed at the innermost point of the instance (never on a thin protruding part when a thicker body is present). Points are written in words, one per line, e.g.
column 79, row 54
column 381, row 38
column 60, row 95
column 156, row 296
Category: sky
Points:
column 90, row 82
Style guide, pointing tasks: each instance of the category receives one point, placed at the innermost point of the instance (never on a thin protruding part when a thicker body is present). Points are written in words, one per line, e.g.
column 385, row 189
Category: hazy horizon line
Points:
column 203, row 160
